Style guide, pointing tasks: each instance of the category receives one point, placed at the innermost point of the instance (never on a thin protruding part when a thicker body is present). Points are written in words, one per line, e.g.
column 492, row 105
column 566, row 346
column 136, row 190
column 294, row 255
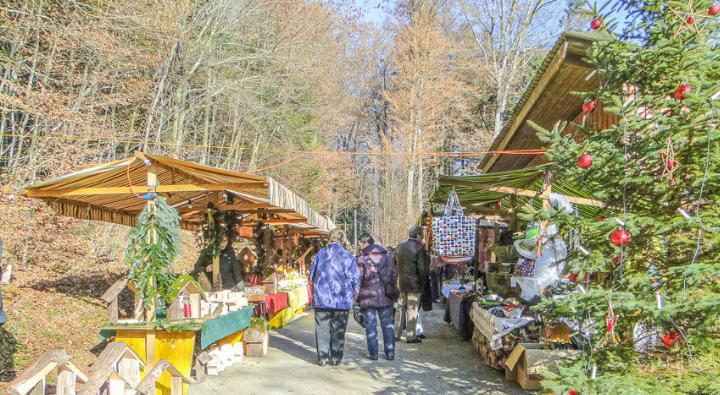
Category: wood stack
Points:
column 256, row 342
column 496, row 358
column 223, row 301
column 222, row 357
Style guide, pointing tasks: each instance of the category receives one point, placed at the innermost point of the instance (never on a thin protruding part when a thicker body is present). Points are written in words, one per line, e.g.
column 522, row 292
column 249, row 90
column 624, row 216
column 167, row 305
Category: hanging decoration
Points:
column 670, row 164
column 596, row 23
column 713, row 10
column 585, row 160
column 589, row 107
column 153, row 247
column 620, row 237
column 670, row 338
column 611, row 322
column 656, row 283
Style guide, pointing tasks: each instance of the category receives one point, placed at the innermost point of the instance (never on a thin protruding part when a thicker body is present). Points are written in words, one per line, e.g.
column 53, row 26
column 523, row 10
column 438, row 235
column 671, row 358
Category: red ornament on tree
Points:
column 584, row 161
column 499, row 203
column 714, row 10
column 596, row 24
column 681, row 91
column 588, row 107
column 670, row 338
column 690, row 20
column 572, row 392
column 620, row 237
column 616, row 260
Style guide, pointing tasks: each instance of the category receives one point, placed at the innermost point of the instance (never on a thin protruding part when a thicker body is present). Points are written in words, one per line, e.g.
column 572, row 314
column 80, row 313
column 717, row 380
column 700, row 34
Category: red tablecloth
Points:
column 310, row 293
column 276, row 302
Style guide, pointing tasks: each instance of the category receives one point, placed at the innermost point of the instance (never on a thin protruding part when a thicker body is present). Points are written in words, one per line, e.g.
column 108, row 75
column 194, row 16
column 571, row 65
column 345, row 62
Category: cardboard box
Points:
column 528, row 361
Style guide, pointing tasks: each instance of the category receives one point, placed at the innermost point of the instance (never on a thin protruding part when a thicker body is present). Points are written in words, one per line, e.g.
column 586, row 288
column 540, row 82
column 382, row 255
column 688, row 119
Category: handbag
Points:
column 358, row 316
column 454, row 233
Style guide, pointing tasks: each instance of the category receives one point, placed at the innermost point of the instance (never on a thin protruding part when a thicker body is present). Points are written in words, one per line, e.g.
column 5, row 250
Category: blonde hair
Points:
column 338, row 236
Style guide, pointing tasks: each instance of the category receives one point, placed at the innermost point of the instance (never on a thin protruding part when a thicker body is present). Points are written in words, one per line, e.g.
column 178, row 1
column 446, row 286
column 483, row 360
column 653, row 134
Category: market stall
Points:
column 195, row 323
column 513, row 264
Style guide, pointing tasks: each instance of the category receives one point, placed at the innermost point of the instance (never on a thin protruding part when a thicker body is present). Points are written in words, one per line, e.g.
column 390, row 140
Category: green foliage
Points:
column 640, row 71
column 151, row 260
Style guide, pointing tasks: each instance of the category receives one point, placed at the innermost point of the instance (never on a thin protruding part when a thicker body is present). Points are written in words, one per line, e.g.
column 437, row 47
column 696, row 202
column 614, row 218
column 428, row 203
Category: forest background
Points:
column 347, row 103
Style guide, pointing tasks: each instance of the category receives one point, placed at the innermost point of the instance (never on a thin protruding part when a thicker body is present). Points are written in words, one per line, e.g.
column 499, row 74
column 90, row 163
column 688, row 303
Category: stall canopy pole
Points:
column 152, row 182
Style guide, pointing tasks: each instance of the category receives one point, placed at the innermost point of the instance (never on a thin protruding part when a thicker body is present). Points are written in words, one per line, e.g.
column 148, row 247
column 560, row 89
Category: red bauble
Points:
column 714, row 10
column 600, row 219
column 670, row 338
column 499, row 203
column 572, row 392
column 584, row 161
column 681, row 91
column 620, row 237
column 670, row 164
column 588, row 107
column 595, row 24
column 690, row 20
column 616, row 260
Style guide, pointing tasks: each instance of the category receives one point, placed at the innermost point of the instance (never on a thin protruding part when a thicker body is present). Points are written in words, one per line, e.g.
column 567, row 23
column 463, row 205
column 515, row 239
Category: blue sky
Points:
column 373, row 10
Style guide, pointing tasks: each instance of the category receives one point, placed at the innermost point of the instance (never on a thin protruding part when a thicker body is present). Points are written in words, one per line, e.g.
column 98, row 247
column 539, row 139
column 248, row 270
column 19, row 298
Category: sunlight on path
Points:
column 440, row 365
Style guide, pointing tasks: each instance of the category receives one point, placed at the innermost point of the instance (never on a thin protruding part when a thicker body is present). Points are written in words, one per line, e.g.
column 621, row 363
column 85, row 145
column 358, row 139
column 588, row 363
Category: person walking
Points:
column 412, row 263
column 335, row 277
column 377, row 295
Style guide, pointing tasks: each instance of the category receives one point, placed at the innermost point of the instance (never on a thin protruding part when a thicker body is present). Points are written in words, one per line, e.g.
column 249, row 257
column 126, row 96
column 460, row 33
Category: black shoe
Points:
column 373, row 357
column 335, row 363
column 414, row 341
column 322, row 363
column 389, row 357
column 422, row 336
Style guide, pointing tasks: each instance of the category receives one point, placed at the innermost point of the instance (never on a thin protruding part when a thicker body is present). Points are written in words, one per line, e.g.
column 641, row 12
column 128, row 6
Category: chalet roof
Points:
column 549, row 98
column 114, row 290
column 147, row 385
column 112, row 354
column 52, row 359
column 112, row 192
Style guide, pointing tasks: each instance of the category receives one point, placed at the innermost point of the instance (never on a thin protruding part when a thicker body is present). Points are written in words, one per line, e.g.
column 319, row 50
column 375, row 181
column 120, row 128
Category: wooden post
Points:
column 65, row 382
column 150, row 348
column 176, row 386
column 129, row 369
column 152, row 182
column 39, row 388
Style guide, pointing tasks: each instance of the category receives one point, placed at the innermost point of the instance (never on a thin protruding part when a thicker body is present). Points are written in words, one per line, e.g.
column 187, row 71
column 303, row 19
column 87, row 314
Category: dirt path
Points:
column 442, row 364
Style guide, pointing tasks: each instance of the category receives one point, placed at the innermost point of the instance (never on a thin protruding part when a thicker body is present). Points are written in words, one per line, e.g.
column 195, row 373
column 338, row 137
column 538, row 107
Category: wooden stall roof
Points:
column 549, row 98
column 112, row 192
column 479, row 194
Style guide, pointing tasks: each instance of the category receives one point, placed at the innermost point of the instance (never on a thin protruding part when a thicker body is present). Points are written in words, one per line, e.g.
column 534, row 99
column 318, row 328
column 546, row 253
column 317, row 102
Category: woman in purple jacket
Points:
column 334, row 275
column 377, row 279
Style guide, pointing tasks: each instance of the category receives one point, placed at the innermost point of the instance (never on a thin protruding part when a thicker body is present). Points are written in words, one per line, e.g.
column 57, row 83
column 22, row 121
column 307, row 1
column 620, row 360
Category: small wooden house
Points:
column 186, row 304
column 33, row 380
column 116, row 371
column 121, row 294
column 148, row 384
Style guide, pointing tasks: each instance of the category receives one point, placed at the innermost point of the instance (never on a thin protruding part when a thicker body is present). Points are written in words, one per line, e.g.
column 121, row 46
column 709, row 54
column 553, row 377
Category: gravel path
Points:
column 441, row 364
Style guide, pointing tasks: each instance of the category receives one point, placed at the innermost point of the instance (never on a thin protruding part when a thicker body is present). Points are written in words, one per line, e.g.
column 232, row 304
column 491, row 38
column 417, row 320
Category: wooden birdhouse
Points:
column 124, row 304
column 33, row 380
column 186, row 304
column 116, row 371
column 148, row 384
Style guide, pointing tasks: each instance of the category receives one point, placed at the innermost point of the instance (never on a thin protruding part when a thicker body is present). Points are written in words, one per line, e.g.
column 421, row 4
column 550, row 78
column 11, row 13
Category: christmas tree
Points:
column 655, row 247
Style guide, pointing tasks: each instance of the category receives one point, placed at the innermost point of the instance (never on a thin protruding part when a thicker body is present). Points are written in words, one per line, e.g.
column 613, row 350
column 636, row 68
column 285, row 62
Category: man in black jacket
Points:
column 412, row 264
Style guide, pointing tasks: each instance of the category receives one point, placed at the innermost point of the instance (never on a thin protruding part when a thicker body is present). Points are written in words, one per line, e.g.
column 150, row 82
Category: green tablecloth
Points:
column 224, row 326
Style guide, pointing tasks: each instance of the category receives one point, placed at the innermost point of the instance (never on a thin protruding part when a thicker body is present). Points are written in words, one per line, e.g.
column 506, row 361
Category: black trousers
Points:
column 330, row 326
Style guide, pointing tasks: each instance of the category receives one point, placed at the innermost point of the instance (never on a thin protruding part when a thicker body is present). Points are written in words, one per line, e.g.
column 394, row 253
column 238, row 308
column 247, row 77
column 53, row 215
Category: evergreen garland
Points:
column 151, row 263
